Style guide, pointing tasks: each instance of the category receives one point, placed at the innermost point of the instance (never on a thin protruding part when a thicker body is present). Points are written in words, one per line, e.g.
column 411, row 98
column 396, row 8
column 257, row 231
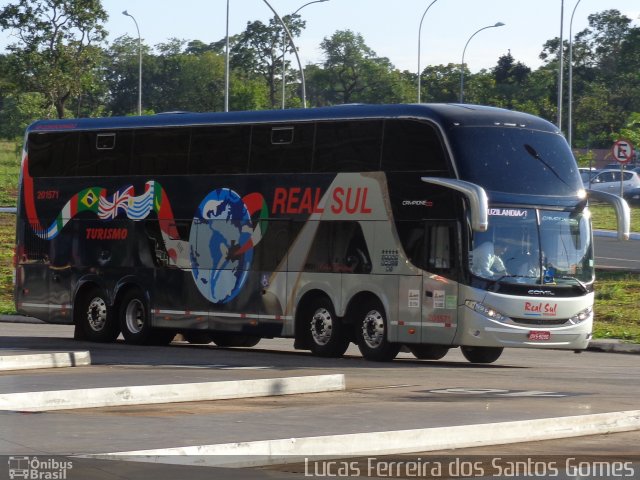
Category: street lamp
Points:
column 139, row 63
column 560, row 66
column 226, row 65
column 295, row 51
column 419, row 38
column 570, row 105
column 284, row 52
column 498, row 24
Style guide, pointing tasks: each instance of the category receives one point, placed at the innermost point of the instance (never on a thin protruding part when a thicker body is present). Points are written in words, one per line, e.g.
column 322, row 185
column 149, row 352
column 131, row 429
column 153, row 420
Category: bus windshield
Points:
column 516, row 160
column 537, row 247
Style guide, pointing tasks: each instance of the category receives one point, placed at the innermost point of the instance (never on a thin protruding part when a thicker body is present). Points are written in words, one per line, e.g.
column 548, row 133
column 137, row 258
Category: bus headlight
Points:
column 485, row 310
column 581, row 316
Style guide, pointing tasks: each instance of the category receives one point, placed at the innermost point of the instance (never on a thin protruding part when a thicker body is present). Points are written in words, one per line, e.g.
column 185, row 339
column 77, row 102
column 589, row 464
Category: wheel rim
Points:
column 134, row 316
column 373, row 329
column 97, row 314
column 321, row 326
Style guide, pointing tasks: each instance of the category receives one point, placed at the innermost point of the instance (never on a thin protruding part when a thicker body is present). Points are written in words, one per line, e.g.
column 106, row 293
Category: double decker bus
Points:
column 425, row 227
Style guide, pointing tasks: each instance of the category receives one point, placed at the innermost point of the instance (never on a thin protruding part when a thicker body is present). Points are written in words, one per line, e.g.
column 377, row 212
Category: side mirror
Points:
column 475, row 195
column 620, row 205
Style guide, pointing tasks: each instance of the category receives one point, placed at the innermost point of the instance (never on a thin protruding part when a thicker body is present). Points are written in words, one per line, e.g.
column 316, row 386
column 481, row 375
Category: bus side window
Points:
column 339, row 247
column 102, row 154
column 429, row 246
column 219, row 149
column 281, row 149
column 410, row 145
column 440, row 254
column 53, row 154
column 349, row 146
column 162, row 151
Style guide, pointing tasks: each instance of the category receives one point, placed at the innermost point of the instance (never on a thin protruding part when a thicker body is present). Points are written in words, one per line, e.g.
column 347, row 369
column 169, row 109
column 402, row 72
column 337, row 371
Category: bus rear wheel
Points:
column 481, row 354
column 371, row 334
column 328, row 335
column 135, row 322
column 95, row 317
column 428, row 352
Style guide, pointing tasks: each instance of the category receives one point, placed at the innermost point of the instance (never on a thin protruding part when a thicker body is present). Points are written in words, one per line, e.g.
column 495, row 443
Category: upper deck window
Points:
column 281, row 149
column 102, row 154
column 219, row 149
column 348, row 146
column 160, row 151
column 53, row 154
column 410, row 145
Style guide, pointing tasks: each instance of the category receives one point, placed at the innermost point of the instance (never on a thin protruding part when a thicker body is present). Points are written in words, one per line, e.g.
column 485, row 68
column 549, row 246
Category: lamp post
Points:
column 295, row 51
column 226, row 65
column 419, row 38
column 284, row 52
column 139, row 63
column 570, row 104
column 498, row 24
column 560, row 69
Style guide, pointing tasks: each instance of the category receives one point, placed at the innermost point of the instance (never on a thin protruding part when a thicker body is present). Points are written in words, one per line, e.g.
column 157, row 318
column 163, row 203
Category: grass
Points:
column 9, row 168
column 617, row 293
column 616, row 306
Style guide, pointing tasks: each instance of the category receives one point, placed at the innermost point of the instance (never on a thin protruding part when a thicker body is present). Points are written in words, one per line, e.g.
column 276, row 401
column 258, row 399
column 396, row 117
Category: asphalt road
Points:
column 404, row 394
column 613, row 254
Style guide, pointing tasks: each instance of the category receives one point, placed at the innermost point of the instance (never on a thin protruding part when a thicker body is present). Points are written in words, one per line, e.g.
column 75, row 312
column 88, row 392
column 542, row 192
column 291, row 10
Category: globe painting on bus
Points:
column 221, row 228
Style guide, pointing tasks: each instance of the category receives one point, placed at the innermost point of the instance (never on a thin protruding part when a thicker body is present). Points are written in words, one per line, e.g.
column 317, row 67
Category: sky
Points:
column 389, row 27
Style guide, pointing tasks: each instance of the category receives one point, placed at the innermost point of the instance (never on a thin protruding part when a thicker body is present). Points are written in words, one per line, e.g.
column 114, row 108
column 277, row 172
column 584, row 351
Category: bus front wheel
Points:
column 328, row 335
column 95, row 317
column 481, row 354
column 371, row 334
column 135, row 322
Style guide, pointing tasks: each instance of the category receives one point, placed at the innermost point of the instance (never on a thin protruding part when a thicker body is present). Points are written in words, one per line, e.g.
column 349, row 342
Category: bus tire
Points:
column 224, row 339
column 327, row 333
column 371, row 333
column 94, row 316
column 481, row 354
column 135, row 322
column 428, row 352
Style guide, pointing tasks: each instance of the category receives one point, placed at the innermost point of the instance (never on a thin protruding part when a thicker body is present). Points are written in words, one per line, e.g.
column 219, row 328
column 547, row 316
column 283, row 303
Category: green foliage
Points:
column 58, row 47
column 19, row 110
column 9, row 168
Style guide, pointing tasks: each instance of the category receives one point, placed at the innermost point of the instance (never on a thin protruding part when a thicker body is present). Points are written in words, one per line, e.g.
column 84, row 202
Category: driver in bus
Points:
column 487, row 261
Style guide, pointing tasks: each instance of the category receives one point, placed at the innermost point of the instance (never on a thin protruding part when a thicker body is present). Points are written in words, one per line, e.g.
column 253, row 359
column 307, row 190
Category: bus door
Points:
column 439, row 284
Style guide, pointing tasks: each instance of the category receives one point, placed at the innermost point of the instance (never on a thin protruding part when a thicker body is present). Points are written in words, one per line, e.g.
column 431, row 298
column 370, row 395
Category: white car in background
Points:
column 609, row 181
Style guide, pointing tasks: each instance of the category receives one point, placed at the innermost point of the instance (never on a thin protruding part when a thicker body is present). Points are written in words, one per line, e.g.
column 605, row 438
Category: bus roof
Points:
column 447, row 115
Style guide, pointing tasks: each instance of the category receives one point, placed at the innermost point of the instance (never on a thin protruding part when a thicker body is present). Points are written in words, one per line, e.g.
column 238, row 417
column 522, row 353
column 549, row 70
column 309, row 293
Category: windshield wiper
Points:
column 582, row 286
column 499, row 280
column 534, row 153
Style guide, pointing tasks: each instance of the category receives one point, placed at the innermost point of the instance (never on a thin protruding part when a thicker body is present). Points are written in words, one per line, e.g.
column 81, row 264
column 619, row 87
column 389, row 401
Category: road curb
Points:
column 31, row 361
column 294, row 450
column 614, row 234
column 154, row 394
column 613, row 346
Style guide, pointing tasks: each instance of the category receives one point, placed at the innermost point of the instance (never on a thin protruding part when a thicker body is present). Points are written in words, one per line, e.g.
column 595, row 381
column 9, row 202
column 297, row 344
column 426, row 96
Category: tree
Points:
column 509, row 79
column 441, row 83
column 352, row 72
column 18, row 111
column 258, row 51
column 58, row 47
